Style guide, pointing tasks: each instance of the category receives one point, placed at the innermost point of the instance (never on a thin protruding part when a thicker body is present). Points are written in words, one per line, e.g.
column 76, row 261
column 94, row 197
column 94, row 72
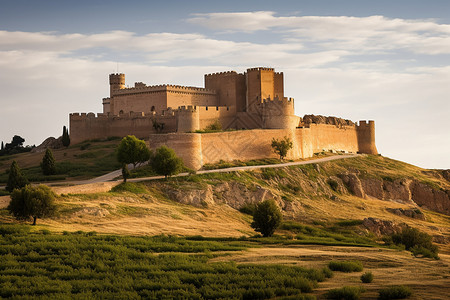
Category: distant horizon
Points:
column 359, row 60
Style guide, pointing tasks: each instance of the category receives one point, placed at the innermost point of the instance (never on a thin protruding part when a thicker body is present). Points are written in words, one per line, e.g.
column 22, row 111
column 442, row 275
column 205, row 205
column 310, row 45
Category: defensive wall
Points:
column 197, row 149
column 250, row 103
column 89, row 126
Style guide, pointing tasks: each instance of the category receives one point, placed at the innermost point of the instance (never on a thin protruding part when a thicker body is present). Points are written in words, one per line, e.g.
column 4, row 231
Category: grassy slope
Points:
column 81, row 161
column 146, row 209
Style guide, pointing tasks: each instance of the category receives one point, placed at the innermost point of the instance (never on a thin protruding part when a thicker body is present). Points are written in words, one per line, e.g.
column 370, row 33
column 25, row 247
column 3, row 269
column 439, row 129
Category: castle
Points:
column 250, row 107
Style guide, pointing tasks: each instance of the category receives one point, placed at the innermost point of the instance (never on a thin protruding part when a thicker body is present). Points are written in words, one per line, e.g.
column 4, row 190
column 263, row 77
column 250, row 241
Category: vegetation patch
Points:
column 86, row 265
column 395, row 292
column 367, row 277
column 135, row 188
column 419, row 243
column 346, row 266
column 346, row 293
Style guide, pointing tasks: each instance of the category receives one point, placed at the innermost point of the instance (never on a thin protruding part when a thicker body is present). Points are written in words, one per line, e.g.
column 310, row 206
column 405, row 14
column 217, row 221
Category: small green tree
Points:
column 166, row 162
column 125, row 172
column 35, row 202
column 281, row 147
column 266, row 217
column 16, row 179
column 132, row 150
column 65, row 137
column 48, row 164
column 215, row 126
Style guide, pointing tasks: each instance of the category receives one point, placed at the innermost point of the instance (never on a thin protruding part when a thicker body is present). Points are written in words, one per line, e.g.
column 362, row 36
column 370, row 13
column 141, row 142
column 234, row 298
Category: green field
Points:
column 86, row 265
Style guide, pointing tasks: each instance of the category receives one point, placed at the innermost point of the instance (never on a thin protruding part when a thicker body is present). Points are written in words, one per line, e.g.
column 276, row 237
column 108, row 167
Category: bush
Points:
column 346, row 293
column 367, row 277
column 267, row 217
column 395, row 292
column 346, row 266
column 419, row 243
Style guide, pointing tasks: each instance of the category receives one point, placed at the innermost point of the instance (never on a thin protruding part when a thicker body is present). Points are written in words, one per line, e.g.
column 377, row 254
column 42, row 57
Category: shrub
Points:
column 267, row 217
column 216, row 126
column 419, row 243
column 395, row 292
column 346, row 293
column 346, row 266
column 367, row 277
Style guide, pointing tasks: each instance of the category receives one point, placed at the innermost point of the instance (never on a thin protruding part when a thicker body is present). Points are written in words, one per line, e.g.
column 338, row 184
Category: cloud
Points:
column 47, row 75
column 340, row 32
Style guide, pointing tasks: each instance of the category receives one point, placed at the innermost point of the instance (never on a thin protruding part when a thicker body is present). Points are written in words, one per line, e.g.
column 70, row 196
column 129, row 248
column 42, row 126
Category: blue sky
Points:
column 382, row 60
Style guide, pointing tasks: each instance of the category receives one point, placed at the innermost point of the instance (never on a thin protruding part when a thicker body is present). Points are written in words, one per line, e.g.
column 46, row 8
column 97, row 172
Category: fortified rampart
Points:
column 250, row 104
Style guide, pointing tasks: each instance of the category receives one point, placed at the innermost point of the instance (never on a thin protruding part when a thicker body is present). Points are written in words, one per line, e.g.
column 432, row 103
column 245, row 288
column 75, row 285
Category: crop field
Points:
column 86, row 265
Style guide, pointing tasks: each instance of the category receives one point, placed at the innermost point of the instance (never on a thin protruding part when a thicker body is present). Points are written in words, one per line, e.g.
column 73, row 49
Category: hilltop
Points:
column 335, row 210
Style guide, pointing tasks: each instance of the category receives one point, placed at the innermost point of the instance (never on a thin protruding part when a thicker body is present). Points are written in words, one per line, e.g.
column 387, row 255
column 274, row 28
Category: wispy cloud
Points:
column 340, row 32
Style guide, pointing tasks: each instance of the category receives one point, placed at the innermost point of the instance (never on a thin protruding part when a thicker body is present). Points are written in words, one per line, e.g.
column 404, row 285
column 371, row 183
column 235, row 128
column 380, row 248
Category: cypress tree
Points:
column 48, row 164
column 16, row 179
column 65, row 137
column 3, row 147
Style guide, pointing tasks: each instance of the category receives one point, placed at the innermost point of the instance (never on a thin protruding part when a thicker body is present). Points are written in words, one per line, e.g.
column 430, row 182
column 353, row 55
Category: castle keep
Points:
column 250, row 107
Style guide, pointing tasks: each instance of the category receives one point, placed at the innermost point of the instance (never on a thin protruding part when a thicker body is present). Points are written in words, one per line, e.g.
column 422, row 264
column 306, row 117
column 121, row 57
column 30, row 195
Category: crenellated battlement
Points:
column 364, row 123
column 261, row 69
column 279, row 101
column 142, row 88
column 221, row 73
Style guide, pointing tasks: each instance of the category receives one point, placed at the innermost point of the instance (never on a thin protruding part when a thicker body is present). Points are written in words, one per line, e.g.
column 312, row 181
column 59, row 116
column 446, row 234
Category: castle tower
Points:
column 278, row 114
column 366, row 137
column 262, row 83
column 116, row 82
column 188, row 119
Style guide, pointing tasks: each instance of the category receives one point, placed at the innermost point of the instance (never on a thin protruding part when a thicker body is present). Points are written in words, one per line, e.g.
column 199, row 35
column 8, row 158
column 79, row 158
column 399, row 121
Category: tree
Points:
column 132, row 150
column 16, row 179
column 65, row 137
column 267, row 217
column 281, row 147
column 29, row 201
column 48, row 164
column 125, row 172
column 3, row 147
column 166, row 162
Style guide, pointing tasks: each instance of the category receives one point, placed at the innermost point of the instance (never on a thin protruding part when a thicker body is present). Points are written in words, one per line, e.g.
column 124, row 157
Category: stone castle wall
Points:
column 256, row 144
column 89, row 126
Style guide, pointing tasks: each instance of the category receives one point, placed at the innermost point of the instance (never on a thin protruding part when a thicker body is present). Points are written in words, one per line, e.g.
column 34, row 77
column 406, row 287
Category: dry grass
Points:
column 428, row 278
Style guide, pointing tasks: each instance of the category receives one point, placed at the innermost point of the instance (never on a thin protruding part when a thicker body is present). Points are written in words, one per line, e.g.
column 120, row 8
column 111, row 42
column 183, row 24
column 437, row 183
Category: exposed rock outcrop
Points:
column 308, row 119
column 382, row 227
column 50, row 143
column 354, row 184
column 411, row 213
column 399, row 190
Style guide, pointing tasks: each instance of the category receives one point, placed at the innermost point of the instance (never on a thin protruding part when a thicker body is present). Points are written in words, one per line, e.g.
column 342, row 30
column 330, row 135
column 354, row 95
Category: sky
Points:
column 384, row 60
